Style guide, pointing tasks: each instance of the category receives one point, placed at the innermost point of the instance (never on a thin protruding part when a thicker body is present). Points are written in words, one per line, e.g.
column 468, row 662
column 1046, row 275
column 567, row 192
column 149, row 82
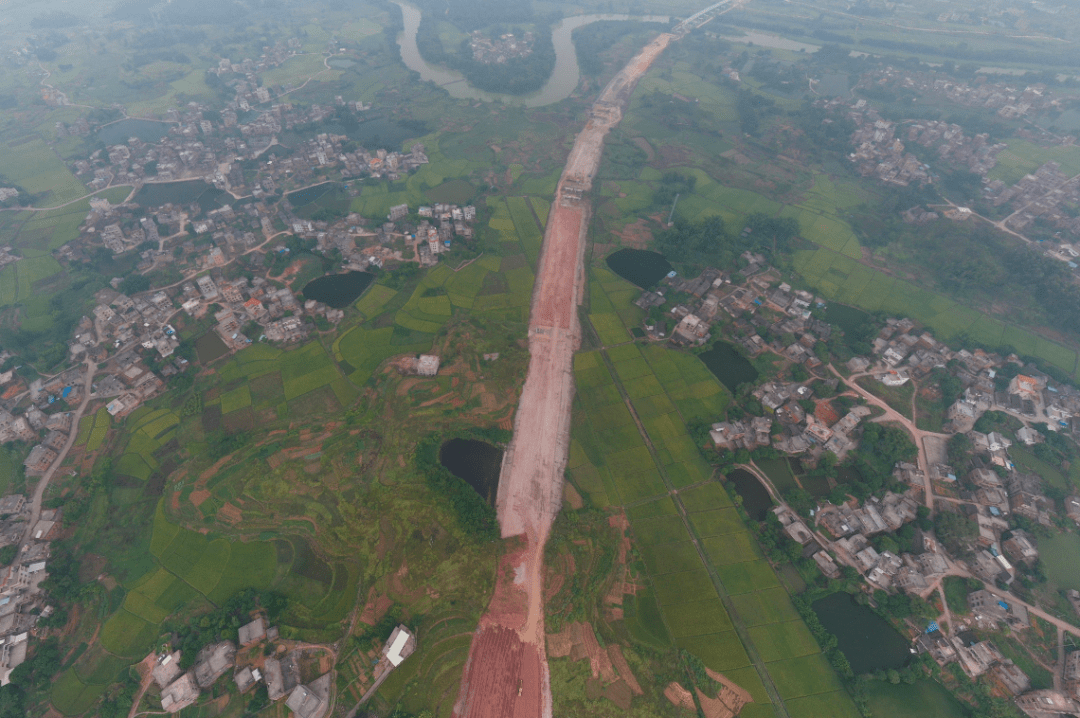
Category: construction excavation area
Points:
column 507, row 673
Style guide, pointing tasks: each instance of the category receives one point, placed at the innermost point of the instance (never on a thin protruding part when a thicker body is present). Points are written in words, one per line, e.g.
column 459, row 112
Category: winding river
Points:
column 564, row 78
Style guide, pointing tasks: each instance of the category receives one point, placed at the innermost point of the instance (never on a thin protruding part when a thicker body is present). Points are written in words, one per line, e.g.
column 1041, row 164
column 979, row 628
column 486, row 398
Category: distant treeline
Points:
column 472, row 15
column 1060, row 56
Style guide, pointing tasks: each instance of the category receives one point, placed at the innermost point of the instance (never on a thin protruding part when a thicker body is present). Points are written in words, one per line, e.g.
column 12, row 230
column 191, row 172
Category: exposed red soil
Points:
column 375, row 608
column 556, row 576
column 728, row 702
column 825, row 413
column 209, row 473
column 578, row 641
column 572, row 497
column 679, row 696
column 621, row 586
column 509, row 603
column 230, row 513
column 713, row 707
column 493, row 675
column 198, row 496
column 507, row 655
column 297, row 452
column 636, row 235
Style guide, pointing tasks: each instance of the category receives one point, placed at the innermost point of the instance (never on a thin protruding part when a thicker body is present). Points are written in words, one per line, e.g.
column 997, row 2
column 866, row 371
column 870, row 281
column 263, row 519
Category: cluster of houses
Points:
column 983, row 658
column 976, row 153
column 22, row 601
column 6, row 255
column 1007, row 99
column 430, row 231
column 250, row 665
column 330, row 151
column 989, row 492
column 492, row 51
column 37, row 414
column 741, row 295
column 880, row 153
column 244, row 300
column 797, row 431
column 216, row 151
column 1046, row 195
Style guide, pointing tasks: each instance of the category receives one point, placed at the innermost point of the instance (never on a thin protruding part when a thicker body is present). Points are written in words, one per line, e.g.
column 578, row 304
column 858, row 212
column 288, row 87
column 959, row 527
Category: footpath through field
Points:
column 507, row 671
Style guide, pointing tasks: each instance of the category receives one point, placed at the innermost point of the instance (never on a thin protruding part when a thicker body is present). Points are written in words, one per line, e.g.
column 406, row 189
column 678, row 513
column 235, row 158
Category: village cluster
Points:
column 1007, row 99
column 995, row 489
column 23, row 604
column 880, row 153
column 250, row 664
column 1047, row 195
column 502, row 48
column 200, row 148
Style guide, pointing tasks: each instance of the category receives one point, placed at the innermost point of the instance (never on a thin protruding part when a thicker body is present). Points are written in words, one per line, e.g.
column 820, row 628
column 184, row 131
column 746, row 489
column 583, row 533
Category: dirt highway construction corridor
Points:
column 507, row 674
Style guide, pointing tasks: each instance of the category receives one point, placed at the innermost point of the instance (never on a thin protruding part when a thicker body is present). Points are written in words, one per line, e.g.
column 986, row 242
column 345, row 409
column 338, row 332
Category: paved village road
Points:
column 43, row 482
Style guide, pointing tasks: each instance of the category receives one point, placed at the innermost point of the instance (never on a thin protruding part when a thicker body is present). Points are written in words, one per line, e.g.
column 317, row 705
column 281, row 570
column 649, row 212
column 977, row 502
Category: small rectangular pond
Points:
column 209, row 347
column 728, row 365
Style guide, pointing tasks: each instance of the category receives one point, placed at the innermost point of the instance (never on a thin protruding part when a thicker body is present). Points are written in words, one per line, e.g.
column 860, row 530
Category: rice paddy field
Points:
column 33, row 165
column 1024, row 157
column 722, row 602
column 924, row 698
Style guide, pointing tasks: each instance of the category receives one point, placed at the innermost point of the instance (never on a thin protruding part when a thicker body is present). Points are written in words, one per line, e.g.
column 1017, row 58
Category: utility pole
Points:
column 672, row 214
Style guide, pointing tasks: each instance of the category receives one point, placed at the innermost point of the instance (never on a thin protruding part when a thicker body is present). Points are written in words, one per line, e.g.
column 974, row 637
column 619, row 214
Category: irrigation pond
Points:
column 476, row 462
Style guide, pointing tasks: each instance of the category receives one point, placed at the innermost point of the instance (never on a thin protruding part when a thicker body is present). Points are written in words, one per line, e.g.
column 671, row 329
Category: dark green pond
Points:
column 118, row 133
column 640, row 266
column 847, row 318
column 478, row 463
column 209, row 347
column 159, row 193
column 308, row 194
column 755, row 497
column 338, row 290
column 867, row 640
column 728, row 365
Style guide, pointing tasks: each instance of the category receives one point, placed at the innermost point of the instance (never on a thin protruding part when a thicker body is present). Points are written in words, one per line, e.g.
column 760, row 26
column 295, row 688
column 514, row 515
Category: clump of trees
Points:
column 191, row 635
column 709, row 242
column 955, row 531
column 880, row 448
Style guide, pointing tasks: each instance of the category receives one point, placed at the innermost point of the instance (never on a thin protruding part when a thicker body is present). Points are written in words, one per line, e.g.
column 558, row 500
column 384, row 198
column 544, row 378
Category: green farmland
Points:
column 842, row 279
column 723, row 601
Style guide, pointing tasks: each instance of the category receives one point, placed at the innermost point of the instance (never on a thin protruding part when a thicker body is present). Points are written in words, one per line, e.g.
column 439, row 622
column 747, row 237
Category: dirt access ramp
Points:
column 507, row 674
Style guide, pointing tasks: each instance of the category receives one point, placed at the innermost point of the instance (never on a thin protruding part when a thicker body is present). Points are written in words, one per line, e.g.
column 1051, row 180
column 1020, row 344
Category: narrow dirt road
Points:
column 891, row 414
column 507, row 672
